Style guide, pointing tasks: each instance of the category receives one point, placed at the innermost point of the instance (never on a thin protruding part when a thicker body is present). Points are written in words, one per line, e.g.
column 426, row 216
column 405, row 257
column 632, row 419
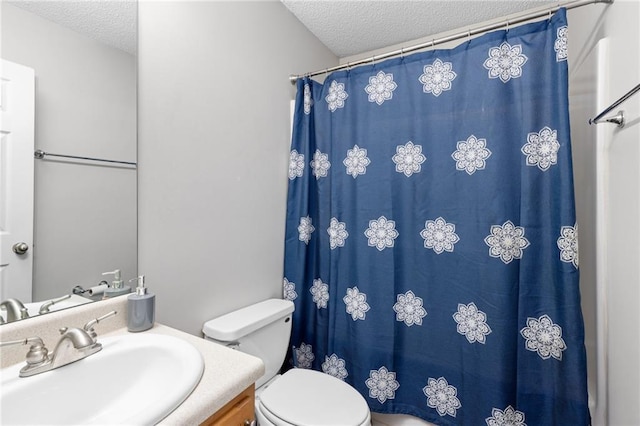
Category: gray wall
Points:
column 85, row 215
column 214, row 101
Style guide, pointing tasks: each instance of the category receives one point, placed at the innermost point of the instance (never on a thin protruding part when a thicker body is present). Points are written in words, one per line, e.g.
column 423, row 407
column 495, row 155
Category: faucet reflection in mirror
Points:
column 13, row 309
column 74, row 344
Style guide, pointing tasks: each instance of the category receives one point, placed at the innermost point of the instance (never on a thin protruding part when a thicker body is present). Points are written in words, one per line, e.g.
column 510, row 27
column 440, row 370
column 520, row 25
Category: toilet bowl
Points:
column 306, row 397
column 299, row 397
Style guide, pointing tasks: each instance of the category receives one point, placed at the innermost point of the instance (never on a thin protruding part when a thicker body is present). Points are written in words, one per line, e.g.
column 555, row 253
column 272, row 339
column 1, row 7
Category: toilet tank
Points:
column 262, row 330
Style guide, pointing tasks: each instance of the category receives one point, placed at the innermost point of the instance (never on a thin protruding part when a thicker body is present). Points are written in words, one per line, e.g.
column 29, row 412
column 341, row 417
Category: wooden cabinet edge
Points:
column 240, row 411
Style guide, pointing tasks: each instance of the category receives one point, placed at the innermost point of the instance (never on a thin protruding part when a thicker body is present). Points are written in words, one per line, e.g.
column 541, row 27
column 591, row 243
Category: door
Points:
column 17, row 106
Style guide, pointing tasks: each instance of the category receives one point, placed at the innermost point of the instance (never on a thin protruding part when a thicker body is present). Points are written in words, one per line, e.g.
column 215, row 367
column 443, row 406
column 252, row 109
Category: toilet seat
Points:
column 310, row 398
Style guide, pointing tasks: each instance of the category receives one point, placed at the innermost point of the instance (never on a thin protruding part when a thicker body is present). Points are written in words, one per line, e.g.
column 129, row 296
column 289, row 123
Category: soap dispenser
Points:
column 117, row 286
column 141, row 308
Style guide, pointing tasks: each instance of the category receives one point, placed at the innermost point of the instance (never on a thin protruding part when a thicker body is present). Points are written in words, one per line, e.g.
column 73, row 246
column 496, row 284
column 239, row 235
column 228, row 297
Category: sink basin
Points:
column 136, row 379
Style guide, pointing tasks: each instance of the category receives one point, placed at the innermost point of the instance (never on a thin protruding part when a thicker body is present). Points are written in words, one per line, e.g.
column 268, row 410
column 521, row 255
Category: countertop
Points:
column 227, row 372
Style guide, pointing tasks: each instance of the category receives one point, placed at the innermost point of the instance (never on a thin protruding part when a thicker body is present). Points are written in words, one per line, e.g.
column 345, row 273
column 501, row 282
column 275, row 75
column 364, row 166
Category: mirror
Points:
column 83, row 55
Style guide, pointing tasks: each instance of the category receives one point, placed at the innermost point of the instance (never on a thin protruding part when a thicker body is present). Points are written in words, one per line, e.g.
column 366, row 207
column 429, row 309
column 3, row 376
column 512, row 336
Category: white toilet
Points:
column 298, row 397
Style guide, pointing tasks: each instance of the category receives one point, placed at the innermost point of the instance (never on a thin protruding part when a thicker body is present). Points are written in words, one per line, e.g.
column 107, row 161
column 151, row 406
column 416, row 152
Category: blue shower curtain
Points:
column 431, row 239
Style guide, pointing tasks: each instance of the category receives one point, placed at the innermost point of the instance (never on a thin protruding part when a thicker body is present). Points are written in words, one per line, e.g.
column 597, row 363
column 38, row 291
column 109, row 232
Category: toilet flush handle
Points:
column 249, row 423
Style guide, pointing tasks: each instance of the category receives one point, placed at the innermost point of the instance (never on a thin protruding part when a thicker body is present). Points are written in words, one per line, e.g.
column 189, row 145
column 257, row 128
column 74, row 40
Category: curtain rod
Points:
column 470, row 32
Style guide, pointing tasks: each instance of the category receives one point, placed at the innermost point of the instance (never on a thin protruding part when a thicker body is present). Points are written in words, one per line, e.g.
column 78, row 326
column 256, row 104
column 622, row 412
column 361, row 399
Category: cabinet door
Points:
column 238, row 412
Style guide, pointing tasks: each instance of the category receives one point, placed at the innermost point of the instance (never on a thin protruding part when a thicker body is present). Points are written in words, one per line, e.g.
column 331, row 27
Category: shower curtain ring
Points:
column 468, row 35
column 402, row 52
column 507, row 25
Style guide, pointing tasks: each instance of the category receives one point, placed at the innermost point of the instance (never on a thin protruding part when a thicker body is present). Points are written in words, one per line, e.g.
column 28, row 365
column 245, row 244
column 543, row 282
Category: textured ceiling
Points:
column 113, row 22
column 346, row 27
column 350, row 27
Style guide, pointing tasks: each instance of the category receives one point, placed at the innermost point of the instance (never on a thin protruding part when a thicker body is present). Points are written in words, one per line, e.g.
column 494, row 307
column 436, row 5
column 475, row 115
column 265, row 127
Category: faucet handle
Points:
column 37, row 354
column 88, row 327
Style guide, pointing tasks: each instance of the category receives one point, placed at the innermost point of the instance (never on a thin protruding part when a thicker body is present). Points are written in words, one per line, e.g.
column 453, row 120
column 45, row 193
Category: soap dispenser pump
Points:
column 140, row 308
column 117, row 286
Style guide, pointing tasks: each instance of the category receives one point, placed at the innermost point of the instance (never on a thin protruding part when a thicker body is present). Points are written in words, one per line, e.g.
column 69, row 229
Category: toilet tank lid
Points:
column 239, row 323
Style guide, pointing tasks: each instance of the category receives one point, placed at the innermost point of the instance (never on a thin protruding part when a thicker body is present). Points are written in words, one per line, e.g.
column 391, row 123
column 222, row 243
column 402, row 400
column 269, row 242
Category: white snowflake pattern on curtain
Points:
column 337, row 233
column 437, row 77
column 304, row 356
column 356, row 304
column 439, row 235
column 542, row 148
column 505, row 62
column 305, row 229
column 356, row 161
column 561, row 45
column 335, row 366
column 506, row 242
column 471, row 155
column 442, row 396
column 380, row 87
column 381, row 233
column 408, row 158
column 308, row 102
column 507, row 417
column 408, row 309
column 320, row 164
column 289, row 290
column 336, row 97
column 568, row 244
column 382, row 384
column 472, row 323
column 320, row 293
column 544, row 337
column 296, row 164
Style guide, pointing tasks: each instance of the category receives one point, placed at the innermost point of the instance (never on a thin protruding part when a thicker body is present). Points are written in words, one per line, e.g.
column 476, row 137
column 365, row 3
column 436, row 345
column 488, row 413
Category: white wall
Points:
column 85, row 215
column 213, row 151
column 619, row 23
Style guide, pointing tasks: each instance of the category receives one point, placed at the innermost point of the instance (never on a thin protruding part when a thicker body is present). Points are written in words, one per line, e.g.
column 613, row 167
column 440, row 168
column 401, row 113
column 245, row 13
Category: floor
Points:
column 378, row 419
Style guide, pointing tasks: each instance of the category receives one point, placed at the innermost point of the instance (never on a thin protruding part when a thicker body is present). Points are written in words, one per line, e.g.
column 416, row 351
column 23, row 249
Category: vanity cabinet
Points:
column 238, row 412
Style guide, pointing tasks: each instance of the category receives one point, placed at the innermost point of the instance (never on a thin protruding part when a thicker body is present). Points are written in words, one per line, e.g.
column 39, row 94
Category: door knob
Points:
column 20, row 248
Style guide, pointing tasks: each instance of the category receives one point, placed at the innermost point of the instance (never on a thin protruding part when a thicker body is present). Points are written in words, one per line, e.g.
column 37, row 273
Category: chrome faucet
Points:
column 74, row 345
column 44, row 309
column 15, row 310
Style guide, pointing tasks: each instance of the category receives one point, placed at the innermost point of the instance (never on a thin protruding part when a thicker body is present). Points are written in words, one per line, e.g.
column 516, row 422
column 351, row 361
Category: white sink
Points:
column 136, row 379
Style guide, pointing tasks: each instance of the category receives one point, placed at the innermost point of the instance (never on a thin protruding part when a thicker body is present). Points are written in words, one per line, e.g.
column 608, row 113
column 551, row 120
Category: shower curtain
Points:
column 431, row 241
